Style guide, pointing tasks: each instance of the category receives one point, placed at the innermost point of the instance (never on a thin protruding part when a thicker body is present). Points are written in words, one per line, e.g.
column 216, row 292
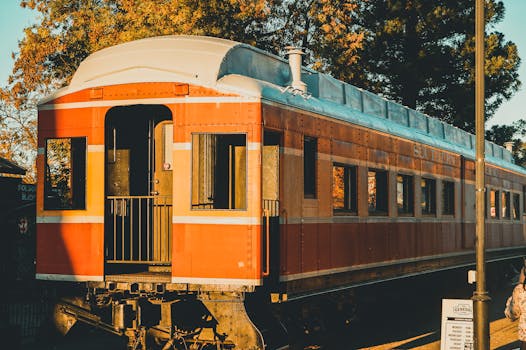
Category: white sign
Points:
column 457, row 324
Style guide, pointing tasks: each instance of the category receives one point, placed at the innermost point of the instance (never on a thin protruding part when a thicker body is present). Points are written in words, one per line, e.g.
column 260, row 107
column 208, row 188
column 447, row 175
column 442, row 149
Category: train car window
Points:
column 494, row 204
column 428, row 199
column 219, row 171
column 310, row 149
column 486, row 202
column 377, row 192
column 524, row 199
column 506, row 205
column 516, row 206
column 404, row 194
column 343, row 189
column 448, row 198
column 65, row 180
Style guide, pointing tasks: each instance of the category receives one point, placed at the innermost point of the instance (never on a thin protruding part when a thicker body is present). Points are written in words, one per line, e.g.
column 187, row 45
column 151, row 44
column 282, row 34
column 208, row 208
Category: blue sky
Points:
column 13, row 19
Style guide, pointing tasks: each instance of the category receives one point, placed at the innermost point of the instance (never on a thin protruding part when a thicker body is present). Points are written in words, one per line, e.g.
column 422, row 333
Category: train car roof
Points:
column 234, row 67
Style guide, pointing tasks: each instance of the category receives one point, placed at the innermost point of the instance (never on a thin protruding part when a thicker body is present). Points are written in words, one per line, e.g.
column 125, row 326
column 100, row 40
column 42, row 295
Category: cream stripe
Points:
column 170, row 100
column 222, row 281
column 70, row 219
column 95, row 148
column 292, row 151
column 182, row 146
column 354, row 219
column 217, row 220
column 254, row 146
column 71, row 278
column 187, row 146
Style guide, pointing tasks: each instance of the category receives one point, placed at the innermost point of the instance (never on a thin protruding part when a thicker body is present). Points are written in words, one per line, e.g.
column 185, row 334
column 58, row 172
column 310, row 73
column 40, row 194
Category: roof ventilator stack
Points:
column 297, row 86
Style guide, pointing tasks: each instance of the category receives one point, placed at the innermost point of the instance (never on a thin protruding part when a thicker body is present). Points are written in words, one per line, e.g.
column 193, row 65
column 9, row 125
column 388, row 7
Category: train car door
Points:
column 271, row 210
column 162, row 190
column 138, row 188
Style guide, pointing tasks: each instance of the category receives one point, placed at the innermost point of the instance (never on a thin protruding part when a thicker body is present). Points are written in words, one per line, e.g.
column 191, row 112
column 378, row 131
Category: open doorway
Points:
column 139, row 184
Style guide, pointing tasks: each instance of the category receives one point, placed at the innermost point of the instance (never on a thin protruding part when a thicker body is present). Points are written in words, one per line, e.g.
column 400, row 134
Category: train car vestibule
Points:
column 138, row 189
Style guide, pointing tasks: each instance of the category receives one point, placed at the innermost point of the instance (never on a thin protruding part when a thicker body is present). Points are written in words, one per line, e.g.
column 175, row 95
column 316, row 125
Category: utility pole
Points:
column 480, row 298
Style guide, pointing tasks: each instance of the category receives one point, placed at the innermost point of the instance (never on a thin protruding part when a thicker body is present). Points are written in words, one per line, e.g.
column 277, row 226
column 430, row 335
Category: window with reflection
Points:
column 343, row 189
column 506, row 210
column 65, row 180
column 494, row 204
column 448, row 198
column 377, row 192
column 310, row 150
column 428, row 196
column 404, row 194
column 516, row 206
column 219, row 171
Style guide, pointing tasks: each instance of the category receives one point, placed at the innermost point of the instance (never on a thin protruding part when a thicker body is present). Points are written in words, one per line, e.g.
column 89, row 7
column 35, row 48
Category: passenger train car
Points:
column 180, row 175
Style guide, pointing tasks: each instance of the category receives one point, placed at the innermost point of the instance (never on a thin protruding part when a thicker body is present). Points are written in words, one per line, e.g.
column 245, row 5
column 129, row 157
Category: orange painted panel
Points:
column 87, row 122
column 70, row 249
column 217, row 251
column 229, row 117
column 136, row 91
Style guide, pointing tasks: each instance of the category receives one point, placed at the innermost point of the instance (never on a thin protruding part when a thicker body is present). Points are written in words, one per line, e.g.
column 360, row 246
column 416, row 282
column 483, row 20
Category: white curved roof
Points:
column 167, row 58
column 179, row 58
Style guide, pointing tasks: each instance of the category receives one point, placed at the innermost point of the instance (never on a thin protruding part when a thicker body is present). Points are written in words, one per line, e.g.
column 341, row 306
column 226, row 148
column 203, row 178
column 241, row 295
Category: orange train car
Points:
column 180, row 175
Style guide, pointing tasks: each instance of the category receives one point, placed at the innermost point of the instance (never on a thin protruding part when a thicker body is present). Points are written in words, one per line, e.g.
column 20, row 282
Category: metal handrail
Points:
column 272, row 206
column 140, row 228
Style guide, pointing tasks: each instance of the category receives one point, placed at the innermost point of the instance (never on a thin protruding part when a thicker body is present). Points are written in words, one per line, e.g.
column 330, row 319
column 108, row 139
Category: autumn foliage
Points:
column 417, row 52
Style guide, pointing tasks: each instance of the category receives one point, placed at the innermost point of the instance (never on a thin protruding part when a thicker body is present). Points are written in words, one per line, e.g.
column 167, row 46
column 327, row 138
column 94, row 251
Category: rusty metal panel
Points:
column 309, row 247
column 291, row 251
column 324, row 247
column 404, row 162
column 377, row 156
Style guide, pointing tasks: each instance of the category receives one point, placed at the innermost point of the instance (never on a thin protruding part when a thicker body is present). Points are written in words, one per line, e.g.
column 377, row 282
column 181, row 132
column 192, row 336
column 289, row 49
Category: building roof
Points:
column 233, row 67
column 8, row 167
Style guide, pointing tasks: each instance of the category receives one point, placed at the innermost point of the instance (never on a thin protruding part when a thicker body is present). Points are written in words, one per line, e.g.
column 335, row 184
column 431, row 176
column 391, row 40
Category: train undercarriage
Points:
column 151, row 317
column 160, row 319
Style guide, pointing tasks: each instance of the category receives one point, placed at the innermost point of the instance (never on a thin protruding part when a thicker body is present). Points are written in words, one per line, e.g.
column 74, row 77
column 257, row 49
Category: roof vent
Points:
column 295, row 54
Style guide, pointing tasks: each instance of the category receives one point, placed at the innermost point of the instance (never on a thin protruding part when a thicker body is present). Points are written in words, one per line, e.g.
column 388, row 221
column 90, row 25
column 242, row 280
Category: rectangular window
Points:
column 310, row 149
column 404, row 194
column 428, row 199
column 377, row 192
column 65, row 181
column 448, row 198
column 494, row 204
column 506, row 210
column 524, row 199
column 516, row 206
column 344, row 189
column 219, row 171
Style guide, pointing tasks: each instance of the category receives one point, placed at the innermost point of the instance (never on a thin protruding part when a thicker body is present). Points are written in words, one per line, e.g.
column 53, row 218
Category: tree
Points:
column 501, row 134
column 421, row 54
column 323, row 28
column 68, row 31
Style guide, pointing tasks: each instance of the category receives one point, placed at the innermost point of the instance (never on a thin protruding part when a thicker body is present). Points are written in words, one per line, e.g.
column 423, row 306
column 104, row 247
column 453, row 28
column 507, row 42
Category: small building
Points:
column 17, row 217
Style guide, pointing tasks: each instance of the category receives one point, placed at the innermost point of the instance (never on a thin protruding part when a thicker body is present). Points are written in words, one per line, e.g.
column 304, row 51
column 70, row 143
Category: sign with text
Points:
column 457, row 324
